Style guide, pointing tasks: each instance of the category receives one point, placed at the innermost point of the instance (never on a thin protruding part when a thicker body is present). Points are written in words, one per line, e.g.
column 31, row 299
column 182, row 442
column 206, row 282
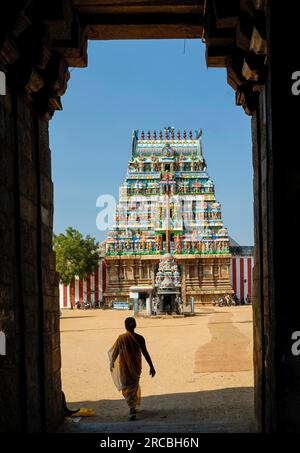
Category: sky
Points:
column 147, row 84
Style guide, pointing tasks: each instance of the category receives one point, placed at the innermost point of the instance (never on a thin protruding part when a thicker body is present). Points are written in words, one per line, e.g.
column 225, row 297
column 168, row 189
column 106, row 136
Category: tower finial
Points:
column 169, row 132
column 143, row 135
column 154, row 135
column 184, row 134
column 178, row 135
column 191, row 135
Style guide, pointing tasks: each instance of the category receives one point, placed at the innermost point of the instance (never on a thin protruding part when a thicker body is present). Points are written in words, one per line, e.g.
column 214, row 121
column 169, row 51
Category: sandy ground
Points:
column 203, row 364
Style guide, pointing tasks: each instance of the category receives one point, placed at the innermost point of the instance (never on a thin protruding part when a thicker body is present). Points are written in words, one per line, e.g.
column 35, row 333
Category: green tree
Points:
column 75, row 255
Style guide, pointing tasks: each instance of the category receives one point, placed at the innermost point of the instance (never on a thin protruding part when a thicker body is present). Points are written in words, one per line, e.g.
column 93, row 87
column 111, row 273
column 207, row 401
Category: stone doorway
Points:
column 38, row 44
column 167, row 303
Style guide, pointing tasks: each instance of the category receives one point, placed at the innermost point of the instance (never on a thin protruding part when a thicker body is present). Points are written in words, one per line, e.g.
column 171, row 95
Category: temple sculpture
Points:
column 167, row 244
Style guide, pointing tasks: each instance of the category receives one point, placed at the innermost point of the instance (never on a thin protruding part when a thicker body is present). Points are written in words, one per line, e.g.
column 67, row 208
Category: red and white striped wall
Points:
column 91, row 289
column 241, row 274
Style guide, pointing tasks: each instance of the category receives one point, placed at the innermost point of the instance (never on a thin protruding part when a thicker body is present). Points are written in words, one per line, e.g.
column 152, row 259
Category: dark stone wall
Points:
column 30, row 395
column 276, row 197
column 283, row 217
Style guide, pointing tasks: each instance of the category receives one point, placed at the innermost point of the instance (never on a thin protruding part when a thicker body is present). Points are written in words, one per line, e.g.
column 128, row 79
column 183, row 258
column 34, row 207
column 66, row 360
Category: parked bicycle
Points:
column 86, row 305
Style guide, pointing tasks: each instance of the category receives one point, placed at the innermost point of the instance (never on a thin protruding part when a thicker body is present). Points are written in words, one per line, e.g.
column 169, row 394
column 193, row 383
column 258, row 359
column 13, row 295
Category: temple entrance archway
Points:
column 37, row 46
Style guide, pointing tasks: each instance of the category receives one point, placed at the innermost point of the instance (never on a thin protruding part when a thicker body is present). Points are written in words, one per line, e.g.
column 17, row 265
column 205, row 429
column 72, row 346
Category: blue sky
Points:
column 146, row 85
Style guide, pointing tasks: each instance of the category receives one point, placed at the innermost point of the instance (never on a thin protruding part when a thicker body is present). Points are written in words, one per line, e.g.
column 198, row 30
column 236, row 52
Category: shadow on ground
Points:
column 224, row 410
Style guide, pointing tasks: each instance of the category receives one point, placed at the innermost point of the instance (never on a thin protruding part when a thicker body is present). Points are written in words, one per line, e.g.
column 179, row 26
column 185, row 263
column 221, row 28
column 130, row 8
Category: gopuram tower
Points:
column 167, row 249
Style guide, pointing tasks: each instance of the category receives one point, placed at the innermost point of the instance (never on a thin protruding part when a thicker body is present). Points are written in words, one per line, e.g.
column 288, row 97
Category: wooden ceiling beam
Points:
column 148, row 7
column 216, row 57
column 216, row 37
column 147, row 26
column 74, row 50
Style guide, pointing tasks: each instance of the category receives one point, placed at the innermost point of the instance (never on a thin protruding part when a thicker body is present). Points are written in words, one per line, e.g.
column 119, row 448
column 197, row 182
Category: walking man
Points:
column 126, row 365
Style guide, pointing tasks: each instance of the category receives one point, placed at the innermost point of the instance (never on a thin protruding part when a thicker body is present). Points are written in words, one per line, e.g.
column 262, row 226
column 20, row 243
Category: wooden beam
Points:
column 243, row 32
column 253, row 68
column 234, row 68
column 226, row 13
column 216, row 37
column 250, row 72
column 148, row 26
column 247, row 98
column 216, row 57
column 74, row 50
column 233, row 78
column 97, row 7
column 58, row 15
column 258, row 43
column 9, row 52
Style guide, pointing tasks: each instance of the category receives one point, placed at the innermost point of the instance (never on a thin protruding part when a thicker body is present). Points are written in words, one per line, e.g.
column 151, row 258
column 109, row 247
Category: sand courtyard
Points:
column 203, row 363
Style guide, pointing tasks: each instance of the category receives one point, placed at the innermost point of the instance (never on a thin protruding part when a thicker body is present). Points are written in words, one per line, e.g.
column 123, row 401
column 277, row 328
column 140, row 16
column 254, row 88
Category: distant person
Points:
column 126, row 365
column 140, row 304
column 155, row 308
column 236, row 300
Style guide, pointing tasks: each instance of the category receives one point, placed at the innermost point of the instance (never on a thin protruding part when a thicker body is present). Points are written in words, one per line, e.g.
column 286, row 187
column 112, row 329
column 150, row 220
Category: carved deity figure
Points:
column 181, row 162
column 177, row 244
column 158, row 242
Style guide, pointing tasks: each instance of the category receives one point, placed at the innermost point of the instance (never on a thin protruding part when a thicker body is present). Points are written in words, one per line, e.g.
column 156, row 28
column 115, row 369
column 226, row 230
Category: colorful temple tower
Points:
column 167, row 220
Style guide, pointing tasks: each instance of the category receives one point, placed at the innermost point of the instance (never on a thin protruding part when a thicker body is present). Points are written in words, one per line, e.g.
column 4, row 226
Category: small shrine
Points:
column 168, row 283
column 167, row 217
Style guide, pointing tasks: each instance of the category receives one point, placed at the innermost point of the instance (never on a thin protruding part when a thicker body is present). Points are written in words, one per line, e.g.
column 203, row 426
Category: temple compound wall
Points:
column 128, row 272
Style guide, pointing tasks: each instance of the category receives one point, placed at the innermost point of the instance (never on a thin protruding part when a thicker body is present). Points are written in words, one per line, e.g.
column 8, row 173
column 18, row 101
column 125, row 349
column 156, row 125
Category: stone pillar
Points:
column 148, row 305
column 30, row 372
column 183, row 286
column 140, row 271
column 276, row 197
column 37, row 77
